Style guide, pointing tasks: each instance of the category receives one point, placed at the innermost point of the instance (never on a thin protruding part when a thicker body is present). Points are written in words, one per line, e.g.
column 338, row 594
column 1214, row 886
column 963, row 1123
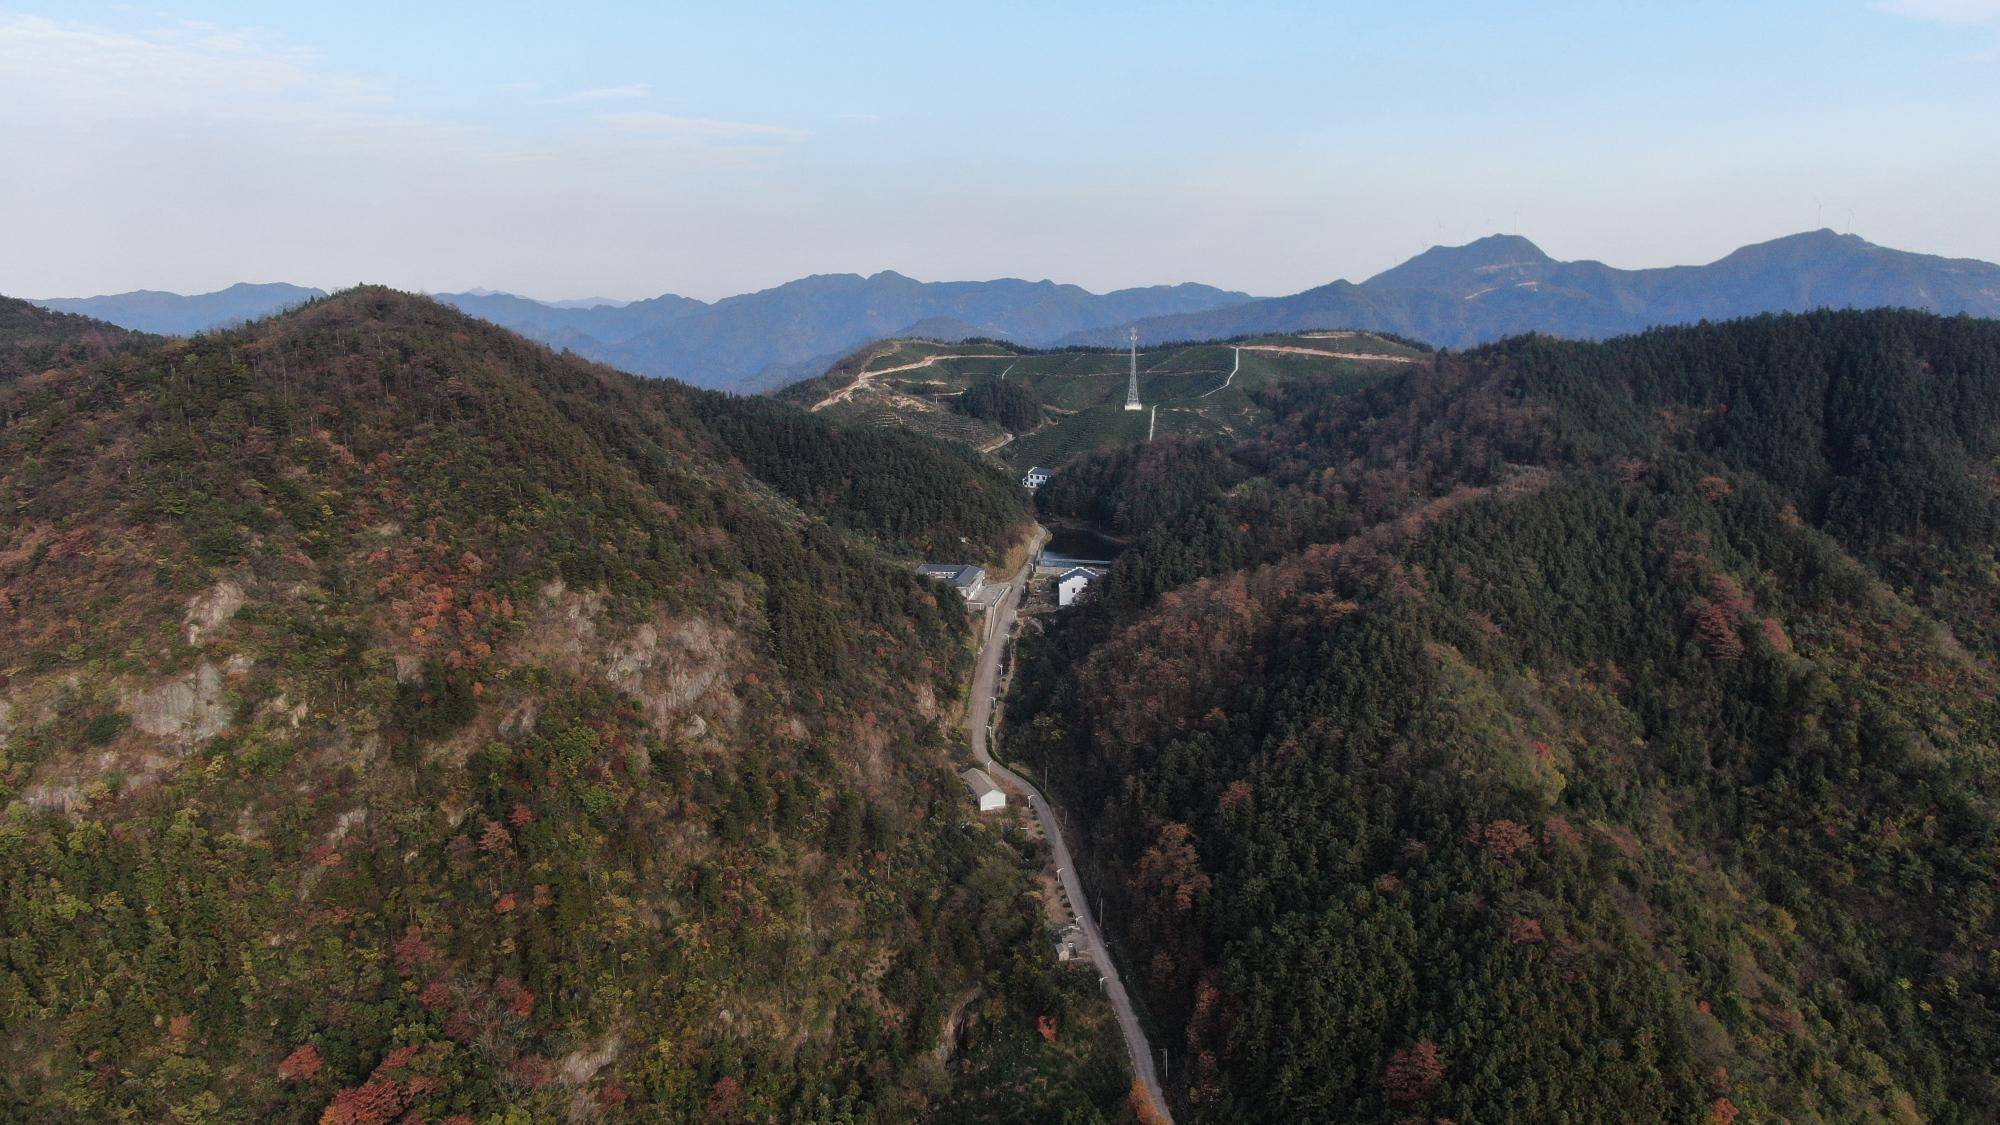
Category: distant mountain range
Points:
column 758, row 341
column 1503, row 285
column 174, row 314
column 1454, row 296
column 750, row 342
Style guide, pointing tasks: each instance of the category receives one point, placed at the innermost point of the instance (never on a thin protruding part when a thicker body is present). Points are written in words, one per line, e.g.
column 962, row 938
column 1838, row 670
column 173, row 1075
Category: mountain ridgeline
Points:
column 1448, row 296
column 761, row 341
column 175, row 314
column 749, row 342
column 1558, row 731
column 1503, row 285
column 402, row 721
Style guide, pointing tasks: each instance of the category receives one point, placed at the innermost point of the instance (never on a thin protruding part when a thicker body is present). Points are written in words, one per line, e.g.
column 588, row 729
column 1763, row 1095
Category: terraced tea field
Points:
column 1188, row 389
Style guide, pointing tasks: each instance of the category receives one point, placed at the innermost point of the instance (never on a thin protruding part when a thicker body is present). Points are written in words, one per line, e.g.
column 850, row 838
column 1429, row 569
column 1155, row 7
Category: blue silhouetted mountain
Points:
column 175, row 314
column 756, row 341
column 744, row 343
column 1503, row 285
column 1453, row 296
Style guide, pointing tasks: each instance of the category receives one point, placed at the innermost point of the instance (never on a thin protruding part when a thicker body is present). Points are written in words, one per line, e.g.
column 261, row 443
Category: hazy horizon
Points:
column 1266, row 149
column 560, row 299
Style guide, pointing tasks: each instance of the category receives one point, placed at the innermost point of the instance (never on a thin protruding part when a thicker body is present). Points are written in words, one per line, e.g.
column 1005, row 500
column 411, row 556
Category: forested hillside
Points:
column 926, row 496
column 33, row 339
column 400, row 721
column 1559, row 732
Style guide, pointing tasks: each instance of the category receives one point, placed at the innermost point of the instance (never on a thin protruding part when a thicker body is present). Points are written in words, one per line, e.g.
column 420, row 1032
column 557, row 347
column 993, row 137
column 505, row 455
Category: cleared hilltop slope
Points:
column 1030, row 407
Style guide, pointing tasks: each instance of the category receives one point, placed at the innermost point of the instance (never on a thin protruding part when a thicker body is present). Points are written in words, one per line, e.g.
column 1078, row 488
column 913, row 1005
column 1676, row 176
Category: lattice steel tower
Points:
column 1132, row 385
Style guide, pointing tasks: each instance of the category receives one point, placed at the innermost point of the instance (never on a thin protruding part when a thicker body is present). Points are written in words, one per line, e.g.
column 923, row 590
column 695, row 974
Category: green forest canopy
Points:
column 1559, row 732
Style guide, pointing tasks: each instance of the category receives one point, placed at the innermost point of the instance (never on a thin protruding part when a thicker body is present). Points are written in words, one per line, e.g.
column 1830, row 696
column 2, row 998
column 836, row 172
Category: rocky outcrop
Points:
column 211, row 609
column 188, row 711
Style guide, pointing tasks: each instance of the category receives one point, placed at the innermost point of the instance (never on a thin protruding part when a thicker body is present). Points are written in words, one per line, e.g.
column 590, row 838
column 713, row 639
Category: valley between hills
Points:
column 947, row 564
column 405, row 720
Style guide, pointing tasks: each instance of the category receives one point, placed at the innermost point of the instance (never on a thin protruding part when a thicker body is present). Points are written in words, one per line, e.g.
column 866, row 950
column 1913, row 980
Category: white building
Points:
column 968, row 580
column 989, row 795
column 1035, row 478
column 1072, row 582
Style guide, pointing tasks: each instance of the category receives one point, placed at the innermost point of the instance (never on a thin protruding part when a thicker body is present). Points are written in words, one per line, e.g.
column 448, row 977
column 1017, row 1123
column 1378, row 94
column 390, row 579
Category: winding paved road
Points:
column 999, row 625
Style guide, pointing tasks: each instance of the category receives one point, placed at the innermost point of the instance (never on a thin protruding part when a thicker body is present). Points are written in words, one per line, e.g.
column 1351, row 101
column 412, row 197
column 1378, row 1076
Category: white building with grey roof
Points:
column 991, row 797
column 967, row 579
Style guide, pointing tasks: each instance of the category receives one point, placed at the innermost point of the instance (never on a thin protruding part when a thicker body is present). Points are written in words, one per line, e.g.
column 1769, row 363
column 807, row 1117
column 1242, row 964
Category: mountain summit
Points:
column 1448, row 267
column 1504, row 285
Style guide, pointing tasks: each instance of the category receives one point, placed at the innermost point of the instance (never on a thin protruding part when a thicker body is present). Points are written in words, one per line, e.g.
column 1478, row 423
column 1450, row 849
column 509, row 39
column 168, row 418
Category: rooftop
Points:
column 981, row 783
column 961, row 575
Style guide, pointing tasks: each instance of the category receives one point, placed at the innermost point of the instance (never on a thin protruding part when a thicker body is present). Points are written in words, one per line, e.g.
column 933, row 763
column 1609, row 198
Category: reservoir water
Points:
column 1081, row 543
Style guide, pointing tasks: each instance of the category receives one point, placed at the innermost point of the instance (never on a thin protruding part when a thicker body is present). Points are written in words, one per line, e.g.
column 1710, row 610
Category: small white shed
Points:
column 991, row 797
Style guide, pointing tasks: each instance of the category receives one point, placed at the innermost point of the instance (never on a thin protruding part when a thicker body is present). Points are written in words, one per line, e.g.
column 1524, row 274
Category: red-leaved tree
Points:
column 301, row 1065
column 1413, row 1073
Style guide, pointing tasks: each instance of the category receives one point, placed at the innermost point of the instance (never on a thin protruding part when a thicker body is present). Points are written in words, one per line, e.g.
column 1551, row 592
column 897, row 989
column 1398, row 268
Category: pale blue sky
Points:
column 705, row 149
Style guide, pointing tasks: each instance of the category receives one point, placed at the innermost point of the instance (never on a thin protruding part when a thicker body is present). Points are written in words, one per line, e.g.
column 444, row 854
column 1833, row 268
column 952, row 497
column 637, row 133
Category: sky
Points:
column 626, row 150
